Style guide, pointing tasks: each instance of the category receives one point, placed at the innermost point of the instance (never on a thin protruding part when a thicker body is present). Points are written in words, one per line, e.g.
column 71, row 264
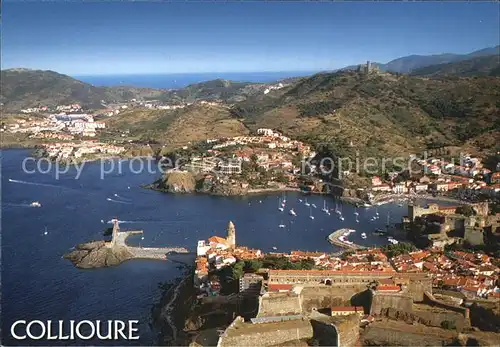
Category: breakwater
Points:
column 103, row 254
column 338, row 238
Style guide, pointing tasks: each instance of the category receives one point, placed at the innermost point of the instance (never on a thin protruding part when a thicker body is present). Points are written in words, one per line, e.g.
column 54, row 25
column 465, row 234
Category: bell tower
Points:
column 231, row 234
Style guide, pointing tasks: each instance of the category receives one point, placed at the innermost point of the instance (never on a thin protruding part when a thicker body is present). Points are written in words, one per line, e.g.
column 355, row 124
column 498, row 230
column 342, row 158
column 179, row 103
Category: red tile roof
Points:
column 388, row 288
column 274, row 287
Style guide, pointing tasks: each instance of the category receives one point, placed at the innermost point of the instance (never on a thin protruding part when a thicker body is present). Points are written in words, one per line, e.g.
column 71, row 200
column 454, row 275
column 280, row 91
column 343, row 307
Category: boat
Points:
column 284, row 199
column 313, row 205
column 292, row 212
column 310, row 214
column 35, row 204
column 376, row 211
column 45, row 232
column 274, row 247
column 341, row 217
column 363, row 235
column 379, row 231
column 324, row 209
column 356, row 213
column 357, row 220
column 281, row 225
column 337, row 208
column 300, row 200
column 306, row 203
column 327, row 212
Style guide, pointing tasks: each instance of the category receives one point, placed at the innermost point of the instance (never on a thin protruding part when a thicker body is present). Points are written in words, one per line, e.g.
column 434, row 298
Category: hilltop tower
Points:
column 231, row 234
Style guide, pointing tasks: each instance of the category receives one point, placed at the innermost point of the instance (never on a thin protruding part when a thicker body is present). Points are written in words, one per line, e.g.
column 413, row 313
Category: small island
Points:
column 96, row 254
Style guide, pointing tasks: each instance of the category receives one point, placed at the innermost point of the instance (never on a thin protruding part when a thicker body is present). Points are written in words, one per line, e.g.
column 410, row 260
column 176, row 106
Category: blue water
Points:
column 174, row 81
column 38, row 284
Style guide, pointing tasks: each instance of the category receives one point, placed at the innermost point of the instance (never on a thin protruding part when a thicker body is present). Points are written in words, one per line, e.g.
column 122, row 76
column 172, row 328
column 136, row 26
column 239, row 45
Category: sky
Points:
column 104, row 38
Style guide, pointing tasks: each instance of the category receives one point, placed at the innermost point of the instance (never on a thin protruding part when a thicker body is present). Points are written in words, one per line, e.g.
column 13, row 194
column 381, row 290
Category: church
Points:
column 217, row 242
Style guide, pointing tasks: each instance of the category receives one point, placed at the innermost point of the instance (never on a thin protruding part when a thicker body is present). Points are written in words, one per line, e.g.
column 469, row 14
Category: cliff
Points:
column 177, row 182
column 186, row 182
column 95, row 254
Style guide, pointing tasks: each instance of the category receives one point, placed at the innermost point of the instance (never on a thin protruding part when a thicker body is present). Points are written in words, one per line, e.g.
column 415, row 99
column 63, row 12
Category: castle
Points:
column 368, row 68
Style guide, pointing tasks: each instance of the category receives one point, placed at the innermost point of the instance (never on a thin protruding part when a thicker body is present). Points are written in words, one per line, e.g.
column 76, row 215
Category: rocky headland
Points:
column 180, row 182
column 96, row 254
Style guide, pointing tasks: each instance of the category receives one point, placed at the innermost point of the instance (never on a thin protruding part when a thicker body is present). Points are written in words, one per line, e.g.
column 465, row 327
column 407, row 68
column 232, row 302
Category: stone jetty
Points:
column 334, row 239
column 97, row 254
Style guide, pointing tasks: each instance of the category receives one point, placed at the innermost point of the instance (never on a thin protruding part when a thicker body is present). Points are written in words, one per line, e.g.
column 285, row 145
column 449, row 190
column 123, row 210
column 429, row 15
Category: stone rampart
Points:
column 321, row 297
column 327, row 331
column 265, row 334
column 432, row 301
column 397, row 301
column 279, row 304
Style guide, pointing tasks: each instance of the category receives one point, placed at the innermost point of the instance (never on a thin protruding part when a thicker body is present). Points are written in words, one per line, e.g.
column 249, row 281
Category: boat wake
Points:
column 35, row 183
column 122, row 198
column 7, row 204
column 118, row 201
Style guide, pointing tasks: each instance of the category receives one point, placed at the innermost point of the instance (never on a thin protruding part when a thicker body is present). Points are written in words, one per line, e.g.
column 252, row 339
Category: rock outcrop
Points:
column 177, row 182
column 96, row 254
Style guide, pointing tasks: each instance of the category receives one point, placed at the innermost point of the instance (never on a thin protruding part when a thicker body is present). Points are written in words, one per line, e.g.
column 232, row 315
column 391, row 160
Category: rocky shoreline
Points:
column 96, row 254
column 173, row 310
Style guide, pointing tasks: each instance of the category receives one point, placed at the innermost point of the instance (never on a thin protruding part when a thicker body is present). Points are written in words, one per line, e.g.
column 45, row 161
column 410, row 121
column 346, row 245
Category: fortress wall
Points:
column 397, row 301
column 328, row 296
column 279, row 304
column 416, row 289
column 265, row 334
column 431, row 300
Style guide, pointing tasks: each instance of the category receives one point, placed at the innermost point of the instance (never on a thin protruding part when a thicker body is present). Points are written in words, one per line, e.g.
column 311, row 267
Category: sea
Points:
column 175, row 81
column 37, row 283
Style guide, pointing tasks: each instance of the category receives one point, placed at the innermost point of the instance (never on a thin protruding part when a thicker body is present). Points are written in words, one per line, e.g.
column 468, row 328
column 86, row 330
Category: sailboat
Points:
column 280, row 206
column 337, row 208
column 281, row 225
column 376, row 211
column 310, row 213
column 356, row 213
column 45, row 232
column 324, row 209
column 306, row 203
column 284, row 199
column 340, row 215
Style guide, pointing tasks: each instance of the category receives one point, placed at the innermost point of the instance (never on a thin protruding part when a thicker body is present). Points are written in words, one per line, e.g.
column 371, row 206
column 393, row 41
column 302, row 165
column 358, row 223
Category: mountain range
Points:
column 409, row 63
column 341, row 112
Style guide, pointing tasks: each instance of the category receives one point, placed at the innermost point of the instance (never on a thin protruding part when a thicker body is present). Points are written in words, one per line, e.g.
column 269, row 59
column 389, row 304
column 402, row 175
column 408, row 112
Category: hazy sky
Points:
column 188, row 36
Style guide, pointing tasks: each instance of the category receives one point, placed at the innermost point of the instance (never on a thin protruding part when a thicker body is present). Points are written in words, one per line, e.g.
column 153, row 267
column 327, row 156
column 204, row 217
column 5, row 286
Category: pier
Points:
column 119, row 240
column 333, row 238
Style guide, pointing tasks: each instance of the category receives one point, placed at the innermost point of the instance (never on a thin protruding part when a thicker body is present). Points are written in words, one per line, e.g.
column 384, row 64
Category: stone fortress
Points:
column 296, row 305
column 327, row 307
column 442, row 220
